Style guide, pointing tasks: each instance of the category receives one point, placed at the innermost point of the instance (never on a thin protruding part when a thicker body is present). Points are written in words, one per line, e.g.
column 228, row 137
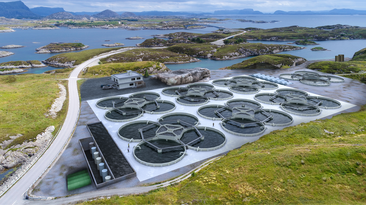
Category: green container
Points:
column 78, row 180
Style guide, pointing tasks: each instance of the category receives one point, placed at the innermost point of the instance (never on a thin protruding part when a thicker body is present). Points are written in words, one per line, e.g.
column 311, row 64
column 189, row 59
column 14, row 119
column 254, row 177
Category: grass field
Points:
column 339, row 67
column 297, row 165
column 284, row 60
column 115, row 68
column 81, row 56
column 24, row 101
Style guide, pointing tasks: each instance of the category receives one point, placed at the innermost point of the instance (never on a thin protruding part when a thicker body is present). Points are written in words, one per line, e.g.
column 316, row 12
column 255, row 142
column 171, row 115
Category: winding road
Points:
column 15, row 195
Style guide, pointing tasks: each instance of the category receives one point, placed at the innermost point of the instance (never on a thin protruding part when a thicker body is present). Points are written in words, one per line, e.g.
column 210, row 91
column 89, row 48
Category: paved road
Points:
column 221, row 41
column 15, row 194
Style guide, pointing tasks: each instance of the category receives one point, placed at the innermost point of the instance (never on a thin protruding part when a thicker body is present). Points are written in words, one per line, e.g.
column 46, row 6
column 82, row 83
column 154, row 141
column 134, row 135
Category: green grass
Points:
column 109, row 69
column 4, row 28
column 305, row 42
column 250, row 47
column 14, row 63
column 294, row 33
column 59, row 46
column 338, row 67
column 359, row 77
column 152, row 42
column 194, row 49
column 24, row 101
column 79, row 57
column 145, row 54
column 318, row 49
column 360, row 55
column 296, row 165
column 284, row 60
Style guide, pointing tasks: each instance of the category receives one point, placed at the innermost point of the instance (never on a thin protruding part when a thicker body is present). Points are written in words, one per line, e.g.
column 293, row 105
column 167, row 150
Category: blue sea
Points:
column 33, row 39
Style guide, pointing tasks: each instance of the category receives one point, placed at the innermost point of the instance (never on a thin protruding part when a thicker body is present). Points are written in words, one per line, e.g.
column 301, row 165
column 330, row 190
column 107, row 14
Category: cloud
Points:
column 202, row 6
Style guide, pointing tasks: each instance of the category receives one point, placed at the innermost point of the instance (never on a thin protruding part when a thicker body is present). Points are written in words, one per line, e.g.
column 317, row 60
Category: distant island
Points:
column 11, row 46
column 61, row 47
column 258, row 21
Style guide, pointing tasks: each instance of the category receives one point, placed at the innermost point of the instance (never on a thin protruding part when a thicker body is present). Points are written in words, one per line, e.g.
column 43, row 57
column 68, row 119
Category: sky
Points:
column 266, row 6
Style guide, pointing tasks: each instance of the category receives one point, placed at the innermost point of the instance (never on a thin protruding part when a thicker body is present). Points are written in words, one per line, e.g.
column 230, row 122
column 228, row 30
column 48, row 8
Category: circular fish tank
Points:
column 277, row 117
column 211, row 112
column 268, row 85
column 336, row 79
column 173, row 91
column 243, row 89
column 288, row 76
column 300, row 109
column 322, row 82
column 247, row 79
column 131, row 131
column 201, row 85
column 219, row 95
column 270, row 98
column 224, row 82
column 207, row 139
column 291, row 92
column 244, row 103
column 107, row 103
column 179, row 118
column 148, row 96
column 123, row 114
column 323, row 102
column 192, row 100
column 243, row 127
column 159, row 107
column 159, row 152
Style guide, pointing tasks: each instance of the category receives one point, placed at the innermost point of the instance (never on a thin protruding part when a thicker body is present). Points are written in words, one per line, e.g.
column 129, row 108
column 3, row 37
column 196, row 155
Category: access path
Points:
column 221, row 41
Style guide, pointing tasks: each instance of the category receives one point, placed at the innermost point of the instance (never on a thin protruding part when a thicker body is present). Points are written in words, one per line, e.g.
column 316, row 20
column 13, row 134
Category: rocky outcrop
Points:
column 11, row 46
column 59, row 102
column 8, row 30
column 5, row 53
column 135, row 38
column 243, row 52
column 21, row 64
column 5, row 72
column 183, row 76
column 18, row 154
column 61, row 48
column 113, row 45
column 57, row 64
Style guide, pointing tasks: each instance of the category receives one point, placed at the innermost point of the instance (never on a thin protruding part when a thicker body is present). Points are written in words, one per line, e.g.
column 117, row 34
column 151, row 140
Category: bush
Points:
column 10, row 79
column 146, row 75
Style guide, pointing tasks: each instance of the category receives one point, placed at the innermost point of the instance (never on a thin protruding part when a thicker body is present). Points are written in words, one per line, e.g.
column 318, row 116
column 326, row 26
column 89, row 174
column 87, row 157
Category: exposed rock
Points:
column 57, row 105
column 135, row 38
column 5, row 53
column 59, row 48
column 20, row 153
column 11, row 71
column 113, row 45
column 183, row 76
column 11, row 46
column 7, row 30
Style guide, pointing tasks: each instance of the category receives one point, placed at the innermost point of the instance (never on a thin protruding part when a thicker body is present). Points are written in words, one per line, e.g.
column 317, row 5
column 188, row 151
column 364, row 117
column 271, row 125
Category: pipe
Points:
column 91, row 144
column 92, row 150
column 95, row 155
column 98, row 160
column 107, row 178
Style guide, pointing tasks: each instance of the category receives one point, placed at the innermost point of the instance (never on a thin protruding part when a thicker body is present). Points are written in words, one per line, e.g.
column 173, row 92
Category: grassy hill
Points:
column 271, row 61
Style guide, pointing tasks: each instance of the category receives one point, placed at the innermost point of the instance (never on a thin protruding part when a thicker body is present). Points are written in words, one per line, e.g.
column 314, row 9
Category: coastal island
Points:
column 113, row 45
column 135, row 38
column 318, row 49
column 305, row 42
column 19, row 66
column 6, row 30
column 5, row 53
column 61, row 47
column 12, row 46
column 258, row 21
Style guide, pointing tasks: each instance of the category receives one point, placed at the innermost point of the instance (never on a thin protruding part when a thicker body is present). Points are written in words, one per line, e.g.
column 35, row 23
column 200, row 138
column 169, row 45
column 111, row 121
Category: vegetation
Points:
column 272, row 61
column 145, row 54
column 109, row 69
column 296, row 165
column 60, row 46
column 79, row 57
column 250, row 49
column 199, row 50
column 318, row 49
column 154, row 42
column 4, row 28
column 338, row 67
column 360, row 55
column 296, row 32
column 235, row 40
column 359, row 77
column 24, row 101
column 14, row 63
column 305, row 42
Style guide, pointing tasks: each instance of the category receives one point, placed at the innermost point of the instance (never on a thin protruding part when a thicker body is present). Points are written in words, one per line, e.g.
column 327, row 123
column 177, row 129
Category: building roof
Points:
column 128, row 74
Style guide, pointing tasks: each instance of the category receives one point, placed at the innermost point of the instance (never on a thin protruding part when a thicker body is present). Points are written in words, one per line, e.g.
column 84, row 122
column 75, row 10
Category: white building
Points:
column 129, row 79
